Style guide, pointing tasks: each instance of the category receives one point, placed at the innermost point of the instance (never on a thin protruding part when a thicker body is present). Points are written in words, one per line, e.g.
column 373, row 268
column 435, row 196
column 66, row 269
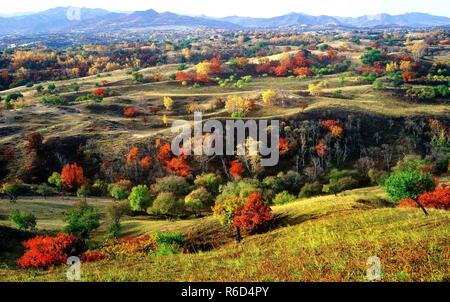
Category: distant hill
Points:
column 57, row 20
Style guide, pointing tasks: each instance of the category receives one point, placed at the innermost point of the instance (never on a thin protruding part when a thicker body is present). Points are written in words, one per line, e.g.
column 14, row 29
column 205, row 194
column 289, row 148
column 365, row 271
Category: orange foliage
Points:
column 321, row 149
column 132, row 155
column 72, row 176
column 252, row 214
column 146, row 161
column 99, row 92
column 237, row 169
column 130, row 111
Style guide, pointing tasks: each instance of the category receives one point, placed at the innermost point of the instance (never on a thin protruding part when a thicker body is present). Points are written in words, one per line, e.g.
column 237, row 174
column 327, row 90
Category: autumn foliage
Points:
column 34, row 141
column 252, row 214
column 101, row 92
column 93, row 256
column 72, row 177
column 46, row 251
column 438, row 199
column 236, row 170
column 130, row 111
column 177, row 165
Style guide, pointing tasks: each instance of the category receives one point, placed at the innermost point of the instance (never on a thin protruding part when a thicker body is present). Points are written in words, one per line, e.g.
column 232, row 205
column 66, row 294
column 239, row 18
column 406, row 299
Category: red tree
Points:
column 439, row 198
column 321, row 149
column 164, row 153
column 130, row 111
column 179, row 165
column 72, row 176
column 236, row 169
column 252, row 214
column 132, row 155
column 99, row 92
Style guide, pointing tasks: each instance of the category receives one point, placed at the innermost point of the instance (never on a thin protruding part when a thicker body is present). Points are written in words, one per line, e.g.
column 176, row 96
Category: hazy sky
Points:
column 253, row 8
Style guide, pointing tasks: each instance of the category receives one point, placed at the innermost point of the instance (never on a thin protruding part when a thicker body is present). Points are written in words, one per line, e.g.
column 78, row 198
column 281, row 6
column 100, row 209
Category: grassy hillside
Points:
column 327, row 238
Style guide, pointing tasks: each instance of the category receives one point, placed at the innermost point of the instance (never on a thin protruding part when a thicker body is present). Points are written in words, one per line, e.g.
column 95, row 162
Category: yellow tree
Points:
column 315, row 89
column 187, row 53
column 203, row 67
column 269, row 96
column 419, row 49
column 168, row 102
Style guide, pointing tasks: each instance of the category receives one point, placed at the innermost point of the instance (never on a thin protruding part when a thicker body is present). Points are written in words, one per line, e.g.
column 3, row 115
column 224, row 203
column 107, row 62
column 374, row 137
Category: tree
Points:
column 82, row 219
column 236, row 170
column 168, row 103
column 408, row 185
column 116, row 211
column 197, row 199
column 315, row 89
column 139, row 198
column 118, row 191
column 23, row 220
column 132, row 155
column 269, row 96
column 167, row 203
column 371, row 56
column 101, row 92
column 179, row 165
column 252, row 214
column 72, row 177
column 55, row 179
column 419, row 49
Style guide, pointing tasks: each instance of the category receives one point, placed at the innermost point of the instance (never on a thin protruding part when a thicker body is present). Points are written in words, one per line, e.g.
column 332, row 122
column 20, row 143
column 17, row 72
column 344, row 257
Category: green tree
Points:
column 82, row 219
column 408, row 185
column 23, row 220
column 140, row 198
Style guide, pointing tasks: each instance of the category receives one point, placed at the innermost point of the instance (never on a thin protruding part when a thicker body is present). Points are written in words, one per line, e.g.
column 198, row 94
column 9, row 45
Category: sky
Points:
column 252, row 8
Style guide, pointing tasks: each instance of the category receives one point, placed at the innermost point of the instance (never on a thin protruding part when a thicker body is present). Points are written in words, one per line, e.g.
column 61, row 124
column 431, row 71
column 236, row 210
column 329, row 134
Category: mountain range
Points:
column 91, row 20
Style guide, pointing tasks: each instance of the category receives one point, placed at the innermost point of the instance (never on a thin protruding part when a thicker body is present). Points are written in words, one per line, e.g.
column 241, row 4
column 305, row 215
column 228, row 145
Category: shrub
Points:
column 409, row 163
column 173, row 184
column 170, row 238
column 336, row 174
column 118, row 192
column 82, row 219
column 209, row 181
column 100, row 188
column 338, row 185
column 14, row 189
column 439, row 198
column 140, row 198
column 310, row 189
column 289, row 181
column 283, row 197
column 23, row 220
column 53, row 100
column 55, row 179
column 166, row 203
column 128, row 246
column 46, row 251
column 197, row 199
column 84, row 191
column 93, row 256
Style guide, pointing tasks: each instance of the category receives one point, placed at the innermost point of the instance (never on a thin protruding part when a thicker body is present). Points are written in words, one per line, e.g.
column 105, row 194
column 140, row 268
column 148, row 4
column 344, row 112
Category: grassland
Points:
column 327, row 238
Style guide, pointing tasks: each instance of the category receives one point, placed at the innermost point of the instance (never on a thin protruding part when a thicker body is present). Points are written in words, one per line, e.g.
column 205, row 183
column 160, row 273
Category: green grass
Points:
column 324, row 238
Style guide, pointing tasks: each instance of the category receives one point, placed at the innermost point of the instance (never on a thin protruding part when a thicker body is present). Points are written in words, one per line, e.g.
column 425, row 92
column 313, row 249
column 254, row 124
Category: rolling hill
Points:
column 94, row 20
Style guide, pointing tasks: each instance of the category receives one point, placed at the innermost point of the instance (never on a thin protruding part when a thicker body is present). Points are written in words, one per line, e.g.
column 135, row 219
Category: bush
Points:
column 209, row 181
column 283, row 197
column 310, row 189
column 82, row 219
column 173, row 184
column 15, row 189
column 53, row 100
column 338, row 185
column 409, row 163
column 43, row 190
column 84, row 191
column 47, row 251
column 336, row 174
column 140, row 198
column 289, row 181
column 100, row 188
column 441, row 165
column 23, row 220
column 93, row 256
column 166, row 203
column 439, row 198
column 55, row 180
column 118, row 192
column 408, row 185
column 170, row 238
column 198, row 199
